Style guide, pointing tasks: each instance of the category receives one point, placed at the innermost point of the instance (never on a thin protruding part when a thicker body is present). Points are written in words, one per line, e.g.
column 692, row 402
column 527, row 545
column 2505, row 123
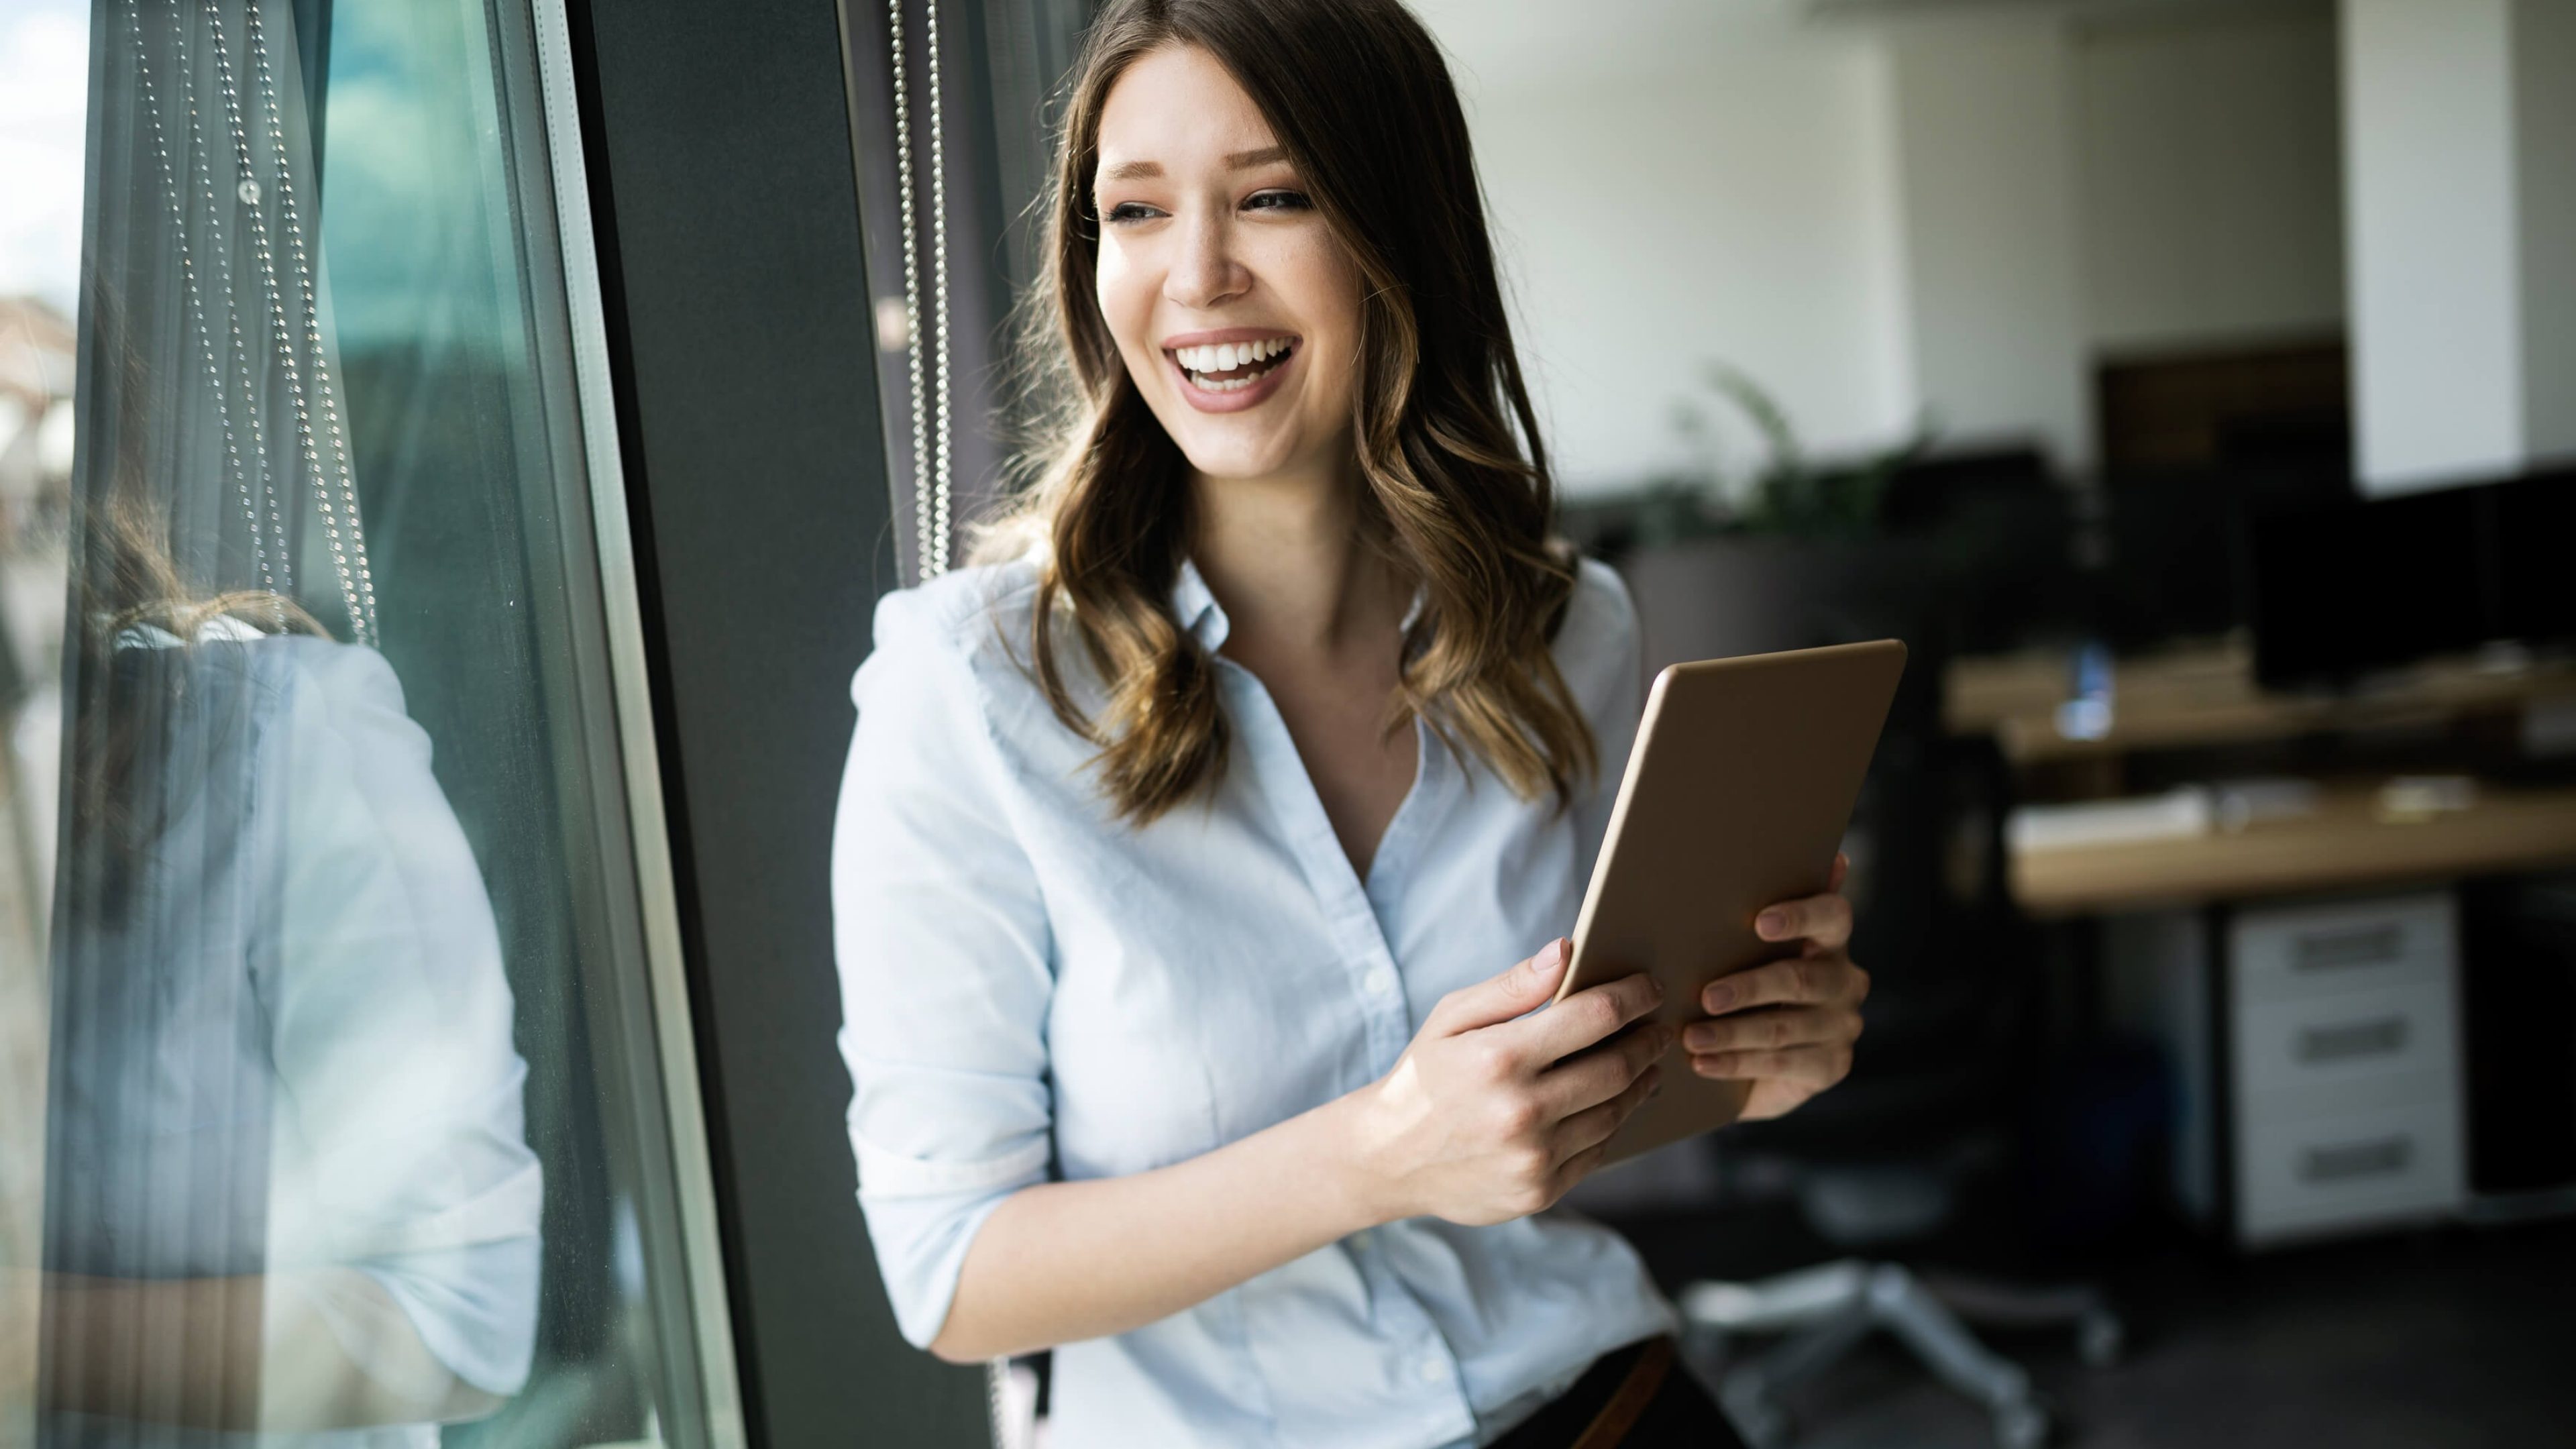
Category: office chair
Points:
column 1927, row 1116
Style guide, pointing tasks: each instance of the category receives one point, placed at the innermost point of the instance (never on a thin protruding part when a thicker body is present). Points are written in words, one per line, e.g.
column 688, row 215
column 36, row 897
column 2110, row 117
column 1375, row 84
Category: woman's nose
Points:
column 1205, row 272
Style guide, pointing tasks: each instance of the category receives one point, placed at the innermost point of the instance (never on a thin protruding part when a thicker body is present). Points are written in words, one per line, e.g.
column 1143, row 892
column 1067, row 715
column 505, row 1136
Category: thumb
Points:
column 1516, row 992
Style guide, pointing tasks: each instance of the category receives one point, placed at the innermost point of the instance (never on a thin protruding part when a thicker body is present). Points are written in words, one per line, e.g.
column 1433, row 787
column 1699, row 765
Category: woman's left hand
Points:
column 1787, row 1027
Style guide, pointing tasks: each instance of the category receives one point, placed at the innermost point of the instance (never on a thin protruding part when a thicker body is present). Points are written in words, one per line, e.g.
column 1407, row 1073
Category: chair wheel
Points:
column 2099, row 1338
column 1748, row 1407
column 2021, row 1426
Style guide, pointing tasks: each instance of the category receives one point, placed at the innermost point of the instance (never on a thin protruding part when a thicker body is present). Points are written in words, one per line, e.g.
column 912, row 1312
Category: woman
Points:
column 1178, row 848
column 288, row 1196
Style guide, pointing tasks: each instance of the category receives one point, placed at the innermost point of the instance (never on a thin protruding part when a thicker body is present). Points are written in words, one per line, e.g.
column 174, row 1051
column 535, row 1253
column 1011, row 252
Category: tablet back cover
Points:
column 1736, row 795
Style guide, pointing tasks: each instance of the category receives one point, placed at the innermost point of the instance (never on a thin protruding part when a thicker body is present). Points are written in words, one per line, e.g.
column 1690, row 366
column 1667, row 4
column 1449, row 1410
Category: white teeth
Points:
column 1226, row 357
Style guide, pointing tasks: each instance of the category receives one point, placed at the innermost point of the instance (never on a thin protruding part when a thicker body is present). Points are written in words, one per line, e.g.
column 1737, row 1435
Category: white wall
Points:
column 1955, row 214
column 2210, row 178
column 2428, row 157
column 1982, row 117
column 1727, row 204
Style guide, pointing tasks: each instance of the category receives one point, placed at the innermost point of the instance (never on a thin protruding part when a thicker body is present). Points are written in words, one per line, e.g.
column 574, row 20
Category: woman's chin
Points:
column 1237, row 460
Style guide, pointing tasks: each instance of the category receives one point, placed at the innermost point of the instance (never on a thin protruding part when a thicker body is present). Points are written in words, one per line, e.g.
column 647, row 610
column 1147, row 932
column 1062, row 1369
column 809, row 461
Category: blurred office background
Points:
column 2191, row 383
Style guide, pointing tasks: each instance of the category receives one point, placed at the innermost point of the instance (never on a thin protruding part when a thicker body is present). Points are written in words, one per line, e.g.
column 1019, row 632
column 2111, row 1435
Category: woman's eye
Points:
column 1277, row 201
column 1127, row 211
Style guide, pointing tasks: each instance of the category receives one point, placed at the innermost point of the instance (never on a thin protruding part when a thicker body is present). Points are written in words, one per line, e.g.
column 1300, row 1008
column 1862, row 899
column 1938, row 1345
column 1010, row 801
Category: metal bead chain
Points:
column 361, row 621
column 234, row 468
column 362, row 608
column 930, row 461
column 939, row 290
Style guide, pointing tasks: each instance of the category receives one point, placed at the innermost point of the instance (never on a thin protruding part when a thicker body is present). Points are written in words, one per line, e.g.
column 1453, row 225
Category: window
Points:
column 368, row 1110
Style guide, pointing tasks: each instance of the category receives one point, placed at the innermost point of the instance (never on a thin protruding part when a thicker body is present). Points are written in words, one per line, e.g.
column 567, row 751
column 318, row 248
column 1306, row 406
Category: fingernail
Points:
column 1719, row 997
column 1770, row 924
column 1699, row 1039
column 1552, row 960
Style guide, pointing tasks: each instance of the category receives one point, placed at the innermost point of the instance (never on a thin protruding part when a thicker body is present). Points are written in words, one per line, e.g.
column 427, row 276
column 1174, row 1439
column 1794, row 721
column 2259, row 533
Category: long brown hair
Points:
column 143, row 739
column 1456, row 487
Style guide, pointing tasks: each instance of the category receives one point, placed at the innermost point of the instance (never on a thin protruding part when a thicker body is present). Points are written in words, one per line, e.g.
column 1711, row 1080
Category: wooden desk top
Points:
column 2206, row 695
column 2345, row 843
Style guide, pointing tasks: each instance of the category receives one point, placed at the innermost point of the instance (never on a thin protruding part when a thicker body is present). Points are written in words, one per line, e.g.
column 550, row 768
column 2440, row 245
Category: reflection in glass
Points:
column 349, row 1127
column 288, row 1187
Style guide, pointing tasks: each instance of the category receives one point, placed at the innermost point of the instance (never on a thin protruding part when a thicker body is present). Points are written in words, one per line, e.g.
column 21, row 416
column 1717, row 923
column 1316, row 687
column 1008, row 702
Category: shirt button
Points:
column 1380, row 981
column 1433, row 1369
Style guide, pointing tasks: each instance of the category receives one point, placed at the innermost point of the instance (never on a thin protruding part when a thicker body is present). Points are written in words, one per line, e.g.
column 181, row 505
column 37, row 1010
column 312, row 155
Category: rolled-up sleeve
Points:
column 942, row 940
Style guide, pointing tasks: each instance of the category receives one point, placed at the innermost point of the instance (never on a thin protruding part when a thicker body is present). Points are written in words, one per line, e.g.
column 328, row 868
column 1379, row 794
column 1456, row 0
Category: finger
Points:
column 1804, row 981
column 1826, row 918
column 1578, row 1167
column 1596, row 1076
column 1773, row 1028
column 1841, row 872
column 1586, row 1017
column 1817, row 1066
column 1516, row 992
column 1597, row 1124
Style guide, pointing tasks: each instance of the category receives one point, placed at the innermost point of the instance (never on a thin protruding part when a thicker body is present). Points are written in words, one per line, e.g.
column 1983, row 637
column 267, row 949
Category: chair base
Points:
column 1828, row 1310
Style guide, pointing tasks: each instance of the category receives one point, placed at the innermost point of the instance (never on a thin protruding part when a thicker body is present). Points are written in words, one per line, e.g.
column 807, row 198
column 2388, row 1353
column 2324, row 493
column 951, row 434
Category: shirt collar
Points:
column 1197, row 609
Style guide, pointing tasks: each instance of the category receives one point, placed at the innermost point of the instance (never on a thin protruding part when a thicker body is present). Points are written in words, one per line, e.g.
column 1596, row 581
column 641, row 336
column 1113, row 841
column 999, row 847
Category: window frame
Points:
column 736, row 336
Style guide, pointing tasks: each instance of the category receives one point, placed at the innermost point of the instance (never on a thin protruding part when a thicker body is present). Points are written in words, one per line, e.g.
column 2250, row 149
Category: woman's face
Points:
column 1235, row 307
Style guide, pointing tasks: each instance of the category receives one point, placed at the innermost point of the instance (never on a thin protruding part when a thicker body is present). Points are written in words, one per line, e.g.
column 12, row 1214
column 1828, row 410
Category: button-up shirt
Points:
column 1032, row 987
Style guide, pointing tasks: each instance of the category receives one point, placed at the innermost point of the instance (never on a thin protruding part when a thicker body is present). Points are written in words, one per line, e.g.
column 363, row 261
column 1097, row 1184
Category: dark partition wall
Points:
column 738, row 316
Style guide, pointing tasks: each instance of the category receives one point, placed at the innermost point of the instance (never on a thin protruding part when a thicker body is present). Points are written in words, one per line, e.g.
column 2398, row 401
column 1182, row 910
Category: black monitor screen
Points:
column 2535, row 535
column 2343, row 591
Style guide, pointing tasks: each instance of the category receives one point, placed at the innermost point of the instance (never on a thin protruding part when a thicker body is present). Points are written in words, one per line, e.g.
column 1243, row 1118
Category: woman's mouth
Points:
column 1224, row 376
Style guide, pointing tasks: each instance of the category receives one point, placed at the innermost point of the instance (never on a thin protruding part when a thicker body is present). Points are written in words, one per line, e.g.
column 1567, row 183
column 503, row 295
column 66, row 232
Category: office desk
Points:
column 2345, row 843
column 2302, row 974
column 2205, row 694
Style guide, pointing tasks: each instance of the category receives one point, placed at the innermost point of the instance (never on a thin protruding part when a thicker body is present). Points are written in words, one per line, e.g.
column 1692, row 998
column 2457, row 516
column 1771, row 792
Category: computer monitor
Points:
column 2534, row 535
column 2345, row 591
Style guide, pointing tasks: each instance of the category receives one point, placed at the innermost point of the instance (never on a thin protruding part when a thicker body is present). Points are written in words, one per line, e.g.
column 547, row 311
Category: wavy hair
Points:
column 1456, row 491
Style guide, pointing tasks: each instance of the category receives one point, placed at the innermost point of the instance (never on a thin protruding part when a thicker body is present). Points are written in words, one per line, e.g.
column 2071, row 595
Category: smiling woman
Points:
column 1205, row 202
column 1182, row 838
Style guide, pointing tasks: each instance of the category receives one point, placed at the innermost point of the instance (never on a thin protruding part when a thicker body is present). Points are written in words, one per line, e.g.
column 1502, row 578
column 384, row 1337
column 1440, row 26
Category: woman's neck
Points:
column 1286, row 559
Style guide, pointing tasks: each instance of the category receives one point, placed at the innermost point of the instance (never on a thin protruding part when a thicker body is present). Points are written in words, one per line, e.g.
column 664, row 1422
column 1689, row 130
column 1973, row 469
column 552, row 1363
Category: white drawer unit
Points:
column 2344, row 1050
column 2326, row 1043
column 2291, row 952
column 2301, row 1177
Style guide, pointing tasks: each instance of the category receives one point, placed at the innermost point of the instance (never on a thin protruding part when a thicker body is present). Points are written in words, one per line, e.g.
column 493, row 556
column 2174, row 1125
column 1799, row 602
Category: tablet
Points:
column 1737, row 794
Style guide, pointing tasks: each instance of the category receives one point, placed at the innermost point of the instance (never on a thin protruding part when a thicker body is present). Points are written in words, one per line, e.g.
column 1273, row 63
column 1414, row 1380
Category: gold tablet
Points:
column 1737, row 794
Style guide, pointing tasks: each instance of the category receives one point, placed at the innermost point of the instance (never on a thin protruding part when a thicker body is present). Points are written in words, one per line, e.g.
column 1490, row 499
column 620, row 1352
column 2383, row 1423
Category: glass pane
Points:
column 351, row 1125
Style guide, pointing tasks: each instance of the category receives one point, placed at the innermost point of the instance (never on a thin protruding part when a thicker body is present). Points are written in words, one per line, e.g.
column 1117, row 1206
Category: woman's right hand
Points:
column 1492, row 1113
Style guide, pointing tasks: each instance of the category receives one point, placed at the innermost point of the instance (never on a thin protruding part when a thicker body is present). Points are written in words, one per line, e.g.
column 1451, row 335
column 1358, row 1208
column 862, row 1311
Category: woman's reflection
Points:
column 288, row 1190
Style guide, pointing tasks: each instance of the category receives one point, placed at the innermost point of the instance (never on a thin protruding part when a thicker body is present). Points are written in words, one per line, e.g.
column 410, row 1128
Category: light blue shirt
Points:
column 1030, row 986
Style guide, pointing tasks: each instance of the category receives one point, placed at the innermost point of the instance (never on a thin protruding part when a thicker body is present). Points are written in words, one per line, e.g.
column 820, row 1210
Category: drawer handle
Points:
column 2345, row 1161
column 2319, row 1044
column 2328, row 951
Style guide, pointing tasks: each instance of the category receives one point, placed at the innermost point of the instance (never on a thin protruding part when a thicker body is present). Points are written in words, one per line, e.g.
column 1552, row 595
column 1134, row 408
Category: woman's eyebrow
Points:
column 1234, row 161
